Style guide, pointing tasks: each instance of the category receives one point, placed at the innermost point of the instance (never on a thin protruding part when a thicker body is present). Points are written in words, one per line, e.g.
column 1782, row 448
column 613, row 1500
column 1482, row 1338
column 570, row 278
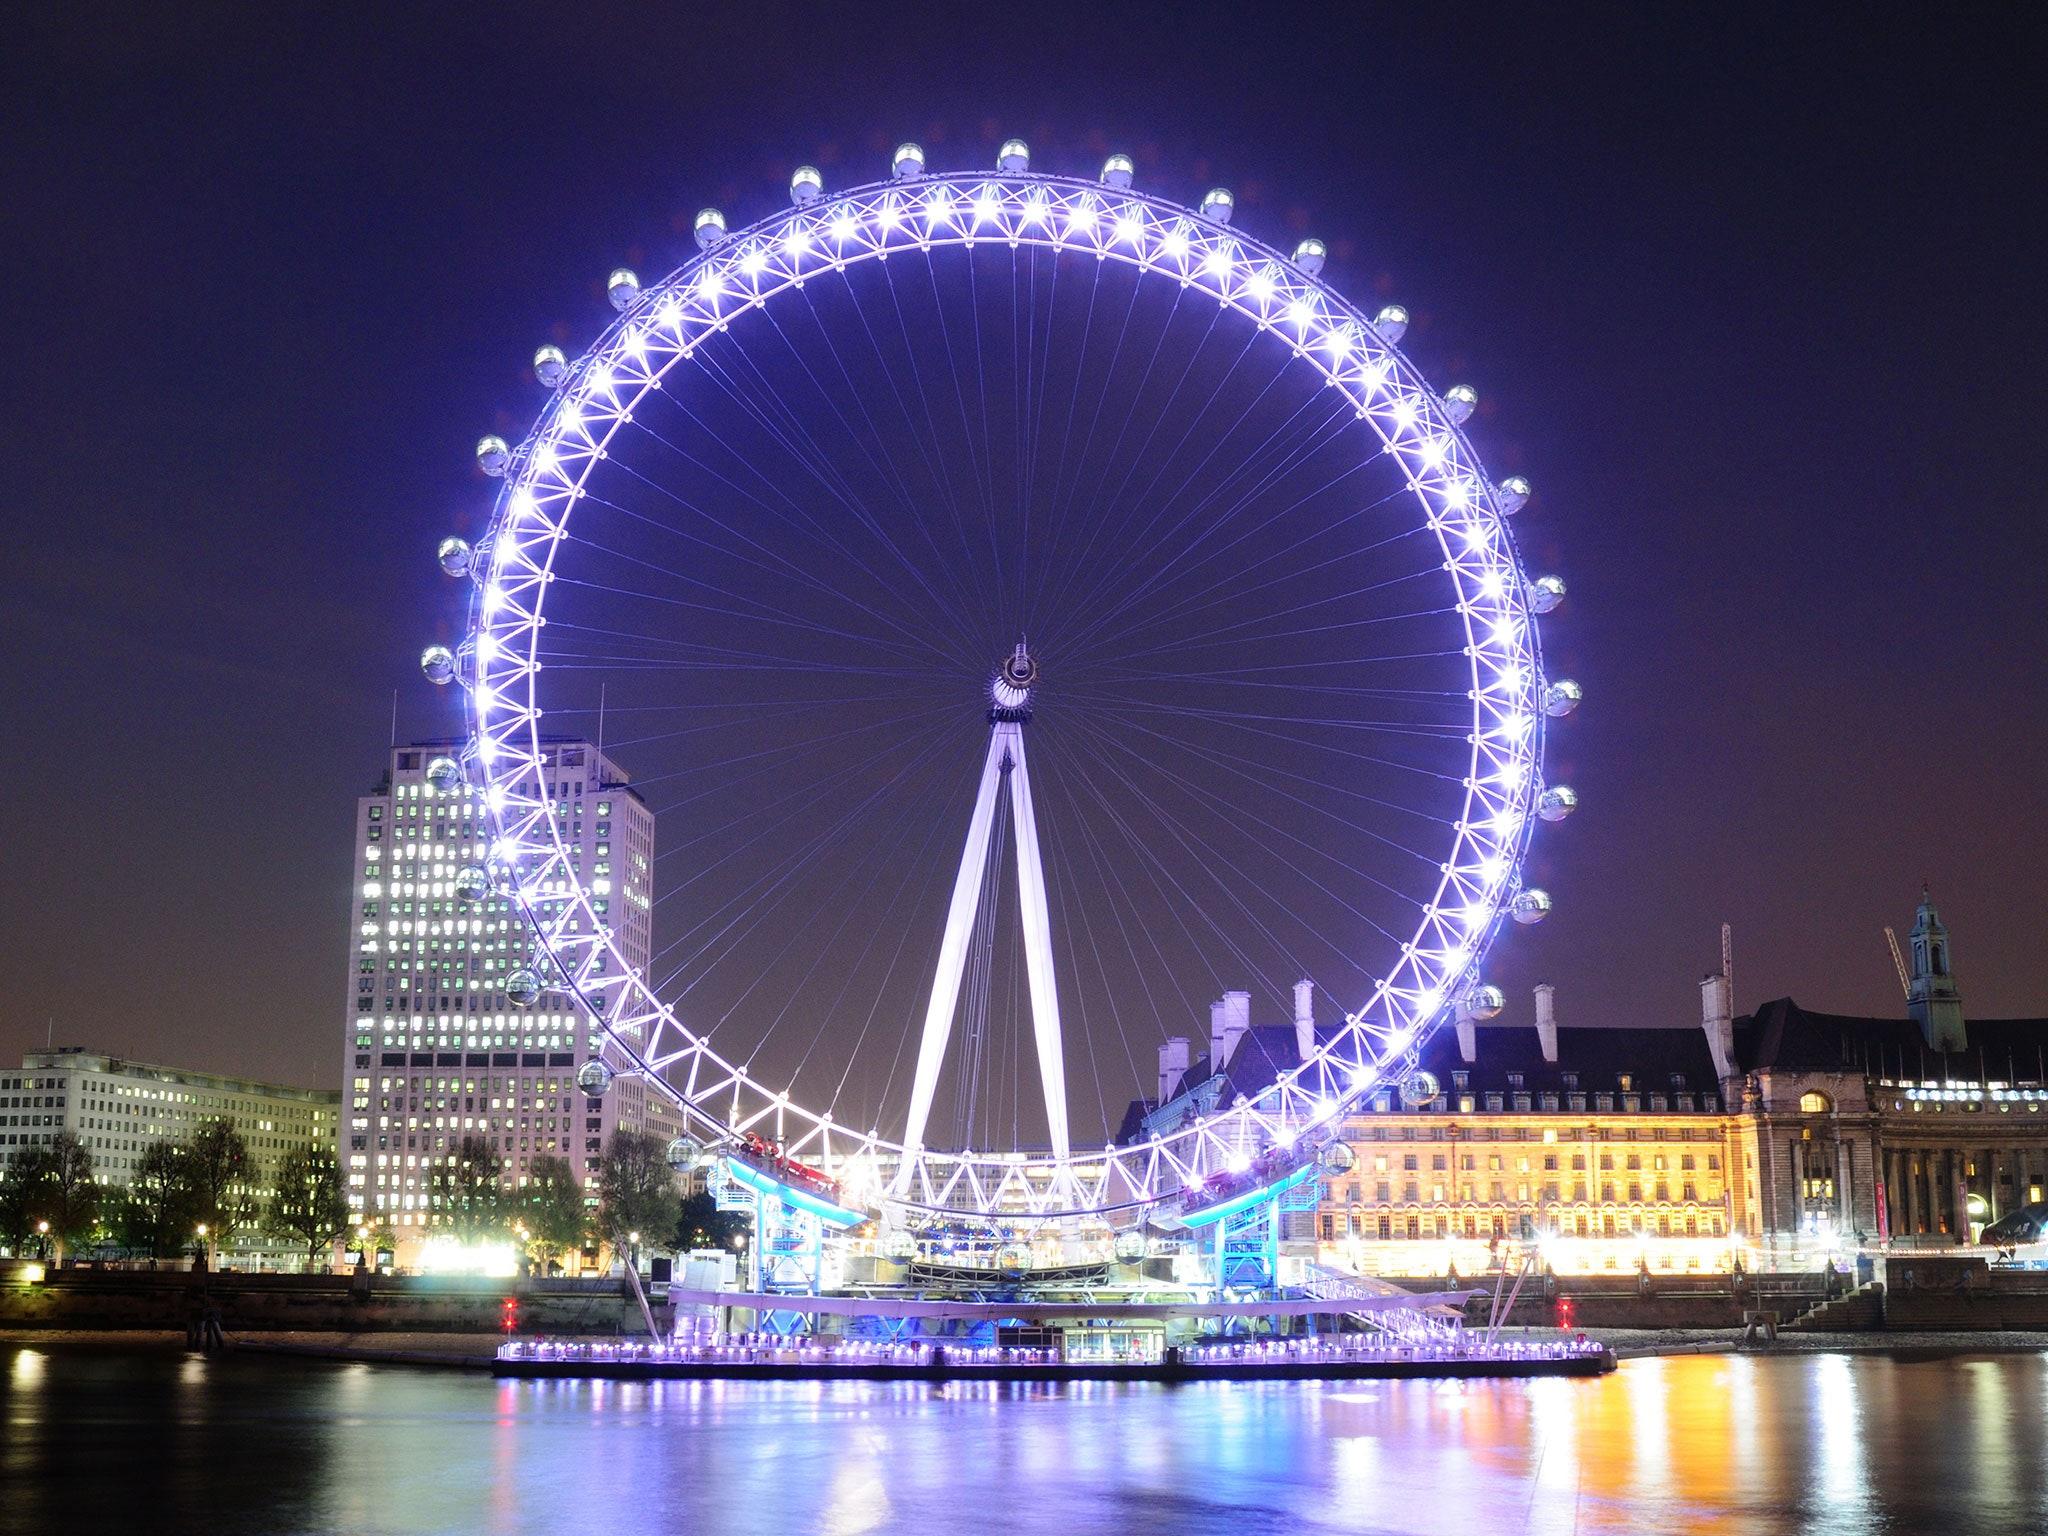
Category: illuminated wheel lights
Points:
column 658, row 329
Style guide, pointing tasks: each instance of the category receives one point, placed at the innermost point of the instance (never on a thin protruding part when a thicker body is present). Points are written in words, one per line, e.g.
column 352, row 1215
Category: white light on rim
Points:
column 1329, row 333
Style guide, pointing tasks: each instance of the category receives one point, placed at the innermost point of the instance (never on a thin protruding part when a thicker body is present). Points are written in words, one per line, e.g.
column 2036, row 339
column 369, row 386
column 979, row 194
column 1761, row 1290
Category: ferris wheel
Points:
column 1033, row 609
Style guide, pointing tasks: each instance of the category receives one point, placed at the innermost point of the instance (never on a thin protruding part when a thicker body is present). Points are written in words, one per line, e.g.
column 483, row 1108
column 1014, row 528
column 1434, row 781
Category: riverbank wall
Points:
column 140, row 1299
column 1915, row 1294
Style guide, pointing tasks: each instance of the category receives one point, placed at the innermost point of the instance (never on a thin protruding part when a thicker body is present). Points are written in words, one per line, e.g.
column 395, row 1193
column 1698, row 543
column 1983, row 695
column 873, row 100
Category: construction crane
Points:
column 1728, row 964
column 1898, row 961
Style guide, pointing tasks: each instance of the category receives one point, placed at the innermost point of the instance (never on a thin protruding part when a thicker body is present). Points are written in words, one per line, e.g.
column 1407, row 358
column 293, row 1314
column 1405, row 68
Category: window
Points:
column 1814, row 1104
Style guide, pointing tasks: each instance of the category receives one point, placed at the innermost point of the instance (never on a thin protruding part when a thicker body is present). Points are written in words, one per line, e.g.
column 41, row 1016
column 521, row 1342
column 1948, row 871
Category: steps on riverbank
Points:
column 1852, row 1312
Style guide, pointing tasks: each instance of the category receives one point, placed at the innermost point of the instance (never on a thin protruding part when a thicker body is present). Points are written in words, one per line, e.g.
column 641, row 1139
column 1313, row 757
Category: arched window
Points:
column 1814, row 1104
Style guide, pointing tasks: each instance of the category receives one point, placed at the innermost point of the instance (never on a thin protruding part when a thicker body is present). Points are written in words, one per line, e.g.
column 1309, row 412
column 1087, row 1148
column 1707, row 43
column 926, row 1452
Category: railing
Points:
column 1413, row 1319
column 768, row 1350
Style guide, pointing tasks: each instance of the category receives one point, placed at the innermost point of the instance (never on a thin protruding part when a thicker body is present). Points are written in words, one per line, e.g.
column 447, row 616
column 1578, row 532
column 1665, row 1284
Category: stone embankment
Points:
column 118, row 1300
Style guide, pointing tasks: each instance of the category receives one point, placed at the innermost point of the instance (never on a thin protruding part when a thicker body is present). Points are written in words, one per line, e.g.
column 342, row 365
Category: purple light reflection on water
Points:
column 1746, row 1444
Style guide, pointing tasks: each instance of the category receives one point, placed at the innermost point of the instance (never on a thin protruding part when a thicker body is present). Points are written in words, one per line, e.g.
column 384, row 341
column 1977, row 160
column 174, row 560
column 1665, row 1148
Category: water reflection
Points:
column 1720, row 1444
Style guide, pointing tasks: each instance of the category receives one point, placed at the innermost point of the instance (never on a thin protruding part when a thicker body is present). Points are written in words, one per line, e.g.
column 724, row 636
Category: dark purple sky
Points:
column 1751, row 298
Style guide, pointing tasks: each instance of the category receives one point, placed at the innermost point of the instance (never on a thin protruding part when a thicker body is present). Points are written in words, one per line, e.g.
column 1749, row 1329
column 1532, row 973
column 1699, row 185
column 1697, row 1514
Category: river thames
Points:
column 101, row 1440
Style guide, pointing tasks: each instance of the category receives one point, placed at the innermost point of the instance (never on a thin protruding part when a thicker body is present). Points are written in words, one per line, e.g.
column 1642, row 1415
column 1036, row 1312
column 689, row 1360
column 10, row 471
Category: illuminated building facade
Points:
column 1915, row 1132
column 118, row 1108
column 1612, row 1146
column 433, row 1050
column 1780, row 1137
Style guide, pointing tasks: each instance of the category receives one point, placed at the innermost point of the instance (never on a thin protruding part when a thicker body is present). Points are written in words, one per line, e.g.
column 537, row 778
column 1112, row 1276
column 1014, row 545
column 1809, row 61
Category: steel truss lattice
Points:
column 661, row 329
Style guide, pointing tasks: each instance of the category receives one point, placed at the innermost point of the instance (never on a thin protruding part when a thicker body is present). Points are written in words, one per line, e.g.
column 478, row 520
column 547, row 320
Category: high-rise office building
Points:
column 434, row 1051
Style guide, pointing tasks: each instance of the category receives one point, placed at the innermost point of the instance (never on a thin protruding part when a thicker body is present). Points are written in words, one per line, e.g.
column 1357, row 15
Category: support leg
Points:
column 938, row 1018
column 1045, row 1002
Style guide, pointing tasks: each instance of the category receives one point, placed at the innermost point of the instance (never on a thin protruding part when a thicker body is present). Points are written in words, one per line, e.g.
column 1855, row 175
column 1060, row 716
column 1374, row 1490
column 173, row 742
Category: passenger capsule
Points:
column 594, row 1078
column 472, row 884
column 1460, row 401
column 622, row 288
column 550, row 366
column 493, row 454
column 1562, row 697
column 438, row 662
column 522, row 989
column 1531, row 906
column 1545, row 593
column 900, row 1246
column 709, row 228
column 1117, row 171
column 684, row 1154
column 1513, row 494
column 1336, row 1157
column 1391, row 323
column 1129, row 1246
column 1218, row 204
column 445, row 774
column 1419, row 1088
column 1484, row 1001
column 1014, row 156
column 1557, row 802
column 806, row 185
column 454, row 555
column 1310, row 254
column 908, row 162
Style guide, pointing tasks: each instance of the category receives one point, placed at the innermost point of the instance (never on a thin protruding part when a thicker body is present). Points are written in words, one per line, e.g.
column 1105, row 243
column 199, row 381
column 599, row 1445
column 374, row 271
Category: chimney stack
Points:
column 1305, row 1018
column 1173, row 1065
column 1237, row 1023
column 1546, row 1019
column 1468, row 1038
column 1717, row 1018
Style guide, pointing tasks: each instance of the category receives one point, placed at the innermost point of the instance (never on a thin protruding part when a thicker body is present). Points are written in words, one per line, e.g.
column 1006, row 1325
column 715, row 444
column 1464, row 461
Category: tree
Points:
column 553, row 1209
column 155, row 1214
column 58, row 1190
column 636, row 1191
column 218, row 1176
column 309, row 1204
column 703, row 1225
column 469, row 1190
column 17, row 1225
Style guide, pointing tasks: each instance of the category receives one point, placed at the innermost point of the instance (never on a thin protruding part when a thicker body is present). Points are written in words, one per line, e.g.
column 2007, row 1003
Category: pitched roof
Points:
column 1598, row 1058
column 1781, row 1036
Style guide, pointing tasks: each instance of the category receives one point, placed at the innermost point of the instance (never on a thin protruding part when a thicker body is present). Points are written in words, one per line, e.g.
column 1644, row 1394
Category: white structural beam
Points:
column 938, row 1014
column 1045, row 1002
column 1005, row 756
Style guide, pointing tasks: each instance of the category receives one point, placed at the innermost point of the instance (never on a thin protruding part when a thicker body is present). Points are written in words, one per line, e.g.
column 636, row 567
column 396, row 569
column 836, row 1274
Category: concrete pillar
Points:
column 1958, row 1194
column 1797, row 1220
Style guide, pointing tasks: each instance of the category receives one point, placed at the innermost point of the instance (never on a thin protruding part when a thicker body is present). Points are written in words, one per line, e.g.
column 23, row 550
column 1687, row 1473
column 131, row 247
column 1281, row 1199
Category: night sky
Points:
column 1752, row 299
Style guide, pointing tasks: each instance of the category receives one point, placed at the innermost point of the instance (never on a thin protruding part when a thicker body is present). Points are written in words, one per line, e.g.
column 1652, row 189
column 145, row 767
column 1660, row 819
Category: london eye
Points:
column 1032, row 608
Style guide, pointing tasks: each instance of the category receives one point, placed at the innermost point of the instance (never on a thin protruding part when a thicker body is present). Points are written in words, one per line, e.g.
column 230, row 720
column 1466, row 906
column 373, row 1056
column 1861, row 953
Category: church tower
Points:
column 1933, row 998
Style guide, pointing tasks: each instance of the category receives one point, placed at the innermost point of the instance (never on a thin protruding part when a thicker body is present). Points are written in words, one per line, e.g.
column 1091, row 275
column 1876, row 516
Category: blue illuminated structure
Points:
column 1247, row 1226
column 791, row 1220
